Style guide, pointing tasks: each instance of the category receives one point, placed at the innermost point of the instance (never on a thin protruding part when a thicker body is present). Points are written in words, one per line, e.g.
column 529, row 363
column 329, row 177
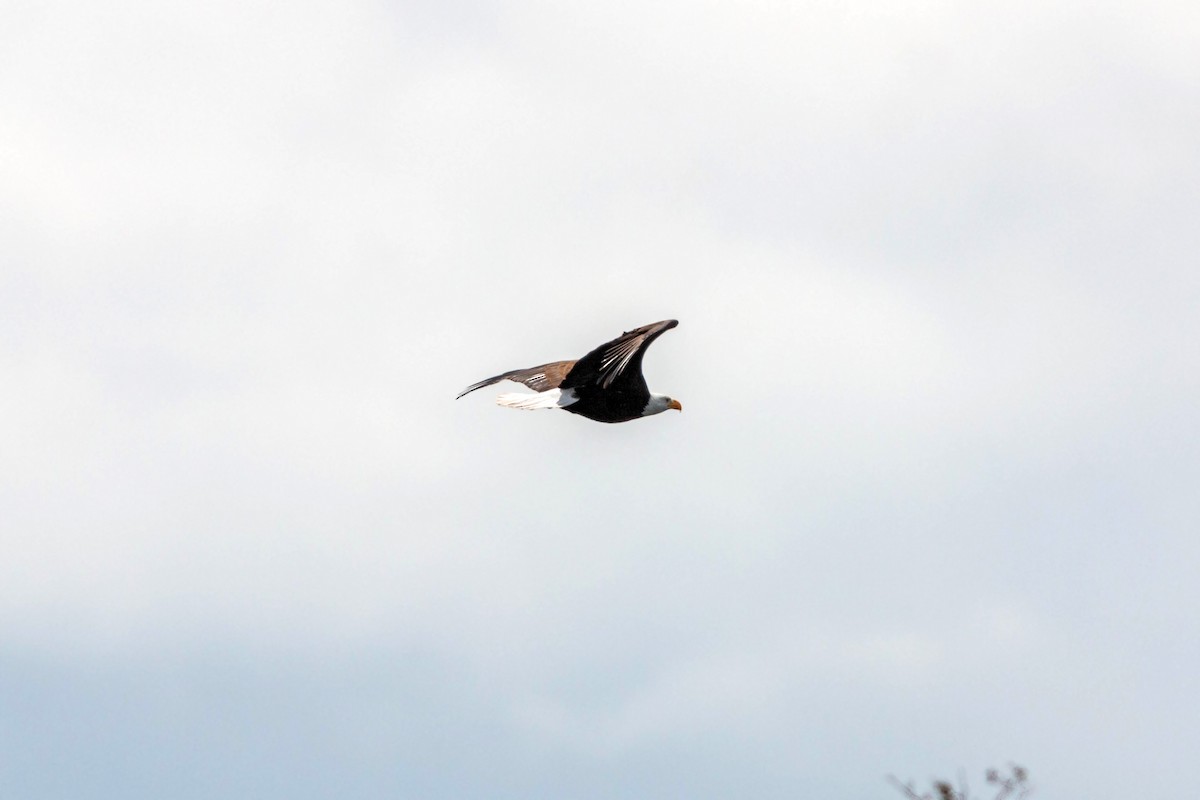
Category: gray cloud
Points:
column 930, row 504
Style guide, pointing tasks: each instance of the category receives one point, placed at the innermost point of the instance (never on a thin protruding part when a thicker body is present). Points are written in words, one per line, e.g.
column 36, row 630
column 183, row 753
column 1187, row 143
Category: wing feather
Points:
column 619, row 360
column 540, row 378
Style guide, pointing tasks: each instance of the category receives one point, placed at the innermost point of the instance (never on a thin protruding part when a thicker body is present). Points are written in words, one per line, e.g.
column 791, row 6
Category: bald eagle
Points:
column 605, row 385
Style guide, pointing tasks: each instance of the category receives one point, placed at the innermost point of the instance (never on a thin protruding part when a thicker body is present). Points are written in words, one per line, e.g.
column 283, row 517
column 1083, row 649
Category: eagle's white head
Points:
column 660, row 403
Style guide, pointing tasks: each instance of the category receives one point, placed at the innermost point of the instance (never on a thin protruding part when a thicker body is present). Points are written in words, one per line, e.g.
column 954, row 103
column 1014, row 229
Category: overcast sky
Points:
column 932, row 504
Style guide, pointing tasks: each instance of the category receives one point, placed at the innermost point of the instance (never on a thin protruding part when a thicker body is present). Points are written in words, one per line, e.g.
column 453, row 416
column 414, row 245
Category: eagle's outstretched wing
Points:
column 619, row 361
column 547, row 376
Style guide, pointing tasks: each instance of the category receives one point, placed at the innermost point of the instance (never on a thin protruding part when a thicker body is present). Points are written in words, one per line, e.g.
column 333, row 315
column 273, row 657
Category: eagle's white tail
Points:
column 551, row 398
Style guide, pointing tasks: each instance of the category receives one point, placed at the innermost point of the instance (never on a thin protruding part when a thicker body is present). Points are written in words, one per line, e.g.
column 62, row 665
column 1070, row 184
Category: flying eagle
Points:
column 605, row 385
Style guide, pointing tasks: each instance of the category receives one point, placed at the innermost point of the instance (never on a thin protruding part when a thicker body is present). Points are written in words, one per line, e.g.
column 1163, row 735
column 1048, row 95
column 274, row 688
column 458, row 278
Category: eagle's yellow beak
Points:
column 675, row 404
